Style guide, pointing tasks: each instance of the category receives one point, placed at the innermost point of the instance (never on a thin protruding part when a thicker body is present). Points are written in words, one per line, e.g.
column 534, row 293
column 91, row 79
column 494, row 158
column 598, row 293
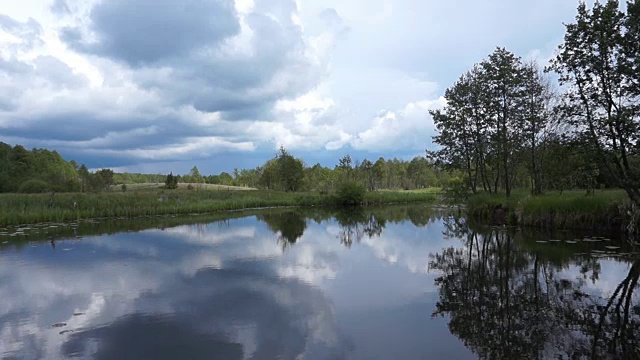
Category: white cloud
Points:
column 309, row 75
column 412, row 127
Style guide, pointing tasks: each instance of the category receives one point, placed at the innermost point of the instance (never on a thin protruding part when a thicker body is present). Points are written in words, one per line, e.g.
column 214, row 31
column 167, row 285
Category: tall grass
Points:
column 33, row 208
column 573, row 209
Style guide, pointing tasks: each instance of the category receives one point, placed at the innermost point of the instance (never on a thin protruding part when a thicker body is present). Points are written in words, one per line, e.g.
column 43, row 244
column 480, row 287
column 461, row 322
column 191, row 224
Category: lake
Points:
column 399, row 282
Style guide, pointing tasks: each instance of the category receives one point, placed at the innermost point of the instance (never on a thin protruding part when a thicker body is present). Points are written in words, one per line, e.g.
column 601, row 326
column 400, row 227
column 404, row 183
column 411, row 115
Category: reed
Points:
column 18, row 209
column 567, row 210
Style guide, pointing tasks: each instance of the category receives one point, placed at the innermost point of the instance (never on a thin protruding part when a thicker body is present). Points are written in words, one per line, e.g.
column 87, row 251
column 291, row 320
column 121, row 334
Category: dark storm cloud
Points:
column 148, row 32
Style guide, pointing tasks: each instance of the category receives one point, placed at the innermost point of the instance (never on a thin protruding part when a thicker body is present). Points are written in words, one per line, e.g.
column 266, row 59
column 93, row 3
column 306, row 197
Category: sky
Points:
column 162, row 85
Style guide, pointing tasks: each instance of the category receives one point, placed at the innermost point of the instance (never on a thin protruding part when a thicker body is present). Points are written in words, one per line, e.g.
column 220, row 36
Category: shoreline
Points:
column 22, row 209
column 603, row 211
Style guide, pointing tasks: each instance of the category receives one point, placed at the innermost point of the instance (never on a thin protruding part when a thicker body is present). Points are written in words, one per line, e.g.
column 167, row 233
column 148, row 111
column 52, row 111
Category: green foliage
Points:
column 494, row 122
column 104, row 178
column 599, row 65
column 456, row 191
column 32, row 208
column 350, row 193
column 569, row 210
column 193, row 176
column 123, row 187
column 290, row 171
column 34, row 187
column 171, row 182
column 137, row 178
column 18, row 165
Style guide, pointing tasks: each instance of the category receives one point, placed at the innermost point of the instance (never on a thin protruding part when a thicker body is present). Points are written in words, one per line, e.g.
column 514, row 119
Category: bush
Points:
column 123, row 187
column 34, row 186
column 171, row 182
column 456, row 191
column 350, row 193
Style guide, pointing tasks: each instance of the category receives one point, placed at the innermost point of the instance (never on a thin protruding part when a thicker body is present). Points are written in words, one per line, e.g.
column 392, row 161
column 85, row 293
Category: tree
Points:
column 225, row 178
column 171, row 182
column 598, row 65
column 105, row 177
column 345, row 166
column 504, row 74
column 290, row 171
column 493, row 113
column 194, row 176
column 84, row 176
column 366, row 167
column 537, row 114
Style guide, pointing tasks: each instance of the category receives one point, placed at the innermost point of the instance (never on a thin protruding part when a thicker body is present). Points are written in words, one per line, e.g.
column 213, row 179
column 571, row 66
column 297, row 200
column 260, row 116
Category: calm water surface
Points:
column 387, row 283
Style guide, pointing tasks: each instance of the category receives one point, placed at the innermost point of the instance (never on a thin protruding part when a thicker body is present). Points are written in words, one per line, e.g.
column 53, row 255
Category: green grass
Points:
column 18, row 209
column 571, row 209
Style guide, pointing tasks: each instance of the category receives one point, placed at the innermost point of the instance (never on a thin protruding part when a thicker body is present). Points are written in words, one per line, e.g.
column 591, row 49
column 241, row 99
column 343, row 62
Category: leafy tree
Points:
column 83, row 171
column 194, row 176
column 345, row 167
column 225, row 178
column 366, row 168
column 105, row 177
column 493, row 112
column 598, row 65
column 269, row 178
column 290, row 171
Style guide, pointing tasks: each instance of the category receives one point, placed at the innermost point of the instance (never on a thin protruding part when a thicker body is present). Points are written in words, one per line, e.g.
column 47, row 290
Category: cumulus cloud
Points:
column 412, row 126
column 118, row 82
column 191, row 80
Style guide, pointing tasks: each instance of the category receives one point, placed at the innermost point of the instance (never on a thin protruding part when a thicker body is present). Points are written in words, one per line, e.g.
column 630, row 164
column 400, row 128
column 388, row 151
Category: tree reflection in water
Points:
column 506, row 302
column 356, row 223
column 289, row 225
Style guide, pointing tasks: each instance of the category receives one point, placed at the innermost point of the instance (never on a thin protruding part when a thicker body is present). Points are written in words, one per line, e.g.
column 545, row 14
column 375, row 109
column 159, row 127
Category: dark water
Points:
column 388, row 283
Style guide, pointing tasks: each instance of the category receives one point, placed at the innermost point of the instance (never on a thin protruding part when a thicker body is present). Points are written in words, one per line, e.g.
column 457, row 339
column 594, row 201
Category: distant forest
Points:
column 41, row 170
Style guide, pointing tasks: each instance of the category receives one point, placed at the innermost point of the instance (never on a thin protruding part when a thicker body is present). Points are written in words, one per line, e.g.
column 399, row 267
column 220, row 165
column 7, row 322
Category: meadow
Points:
column 149, row 199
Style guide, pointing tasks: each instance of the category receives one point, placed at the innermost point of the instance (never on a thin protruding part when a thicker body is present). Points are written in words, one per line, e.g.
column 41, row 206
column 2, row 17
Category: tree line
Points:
column 285, row 172
column 42, row 170
column 507, row 124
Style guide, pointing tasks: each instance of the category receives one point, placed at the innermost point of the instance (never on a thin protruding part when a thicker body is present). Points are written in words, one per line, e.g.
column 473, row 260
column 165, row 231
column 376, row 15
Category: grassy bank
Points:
column 33, row 208
column 569, row 210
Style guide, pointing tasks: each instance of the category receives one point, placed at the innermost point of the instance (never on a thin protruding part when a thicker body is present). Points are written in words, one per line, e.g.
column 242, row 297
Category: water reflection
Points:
column 507, row 298
column 313, row 284
column 288, row 225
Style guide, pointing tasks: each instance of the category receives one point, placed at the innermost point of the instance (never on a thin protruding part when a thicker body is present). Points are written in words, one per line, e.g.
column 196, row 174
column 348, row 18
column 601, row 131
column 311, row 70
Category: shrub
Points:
column 34, row 186
column 123, row 187
column 456, row 191
column 350, row 193
column 171, row 182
